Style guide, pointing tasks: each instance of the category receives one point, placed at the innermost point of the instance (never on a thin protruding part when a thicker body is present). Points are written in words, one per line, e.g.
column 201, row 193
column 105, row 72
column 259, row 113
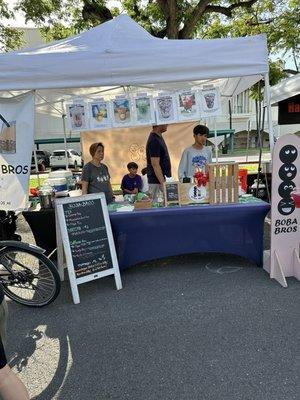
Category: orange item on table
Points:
column 34, row 192
column 243, row 179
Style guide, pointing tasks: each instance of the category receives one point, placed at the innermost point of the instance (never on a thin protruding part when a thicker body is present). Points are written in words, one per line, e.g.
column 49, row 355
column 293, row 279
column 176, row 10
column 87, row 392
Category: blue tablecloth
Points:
column 161, row 232
column 150, row 234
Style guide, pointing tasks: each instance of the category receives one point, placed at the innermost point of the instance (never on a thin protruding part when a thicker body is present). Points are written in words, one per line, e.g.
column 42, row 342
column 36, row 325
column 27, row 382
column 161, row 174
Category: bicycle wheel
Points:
column 35, row 282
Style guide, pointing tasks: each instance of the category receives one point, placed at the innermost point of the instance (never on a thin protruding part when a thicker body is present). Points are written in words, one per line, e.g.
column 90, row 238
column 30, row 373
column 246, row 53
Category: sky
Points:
column 19, row 21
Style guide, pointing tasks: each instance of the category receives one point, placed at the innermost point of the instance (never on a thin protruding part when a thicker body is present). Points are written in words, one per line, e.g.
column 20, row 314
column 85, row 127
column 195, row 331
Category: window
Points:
column 242, row 103
column 59, row 153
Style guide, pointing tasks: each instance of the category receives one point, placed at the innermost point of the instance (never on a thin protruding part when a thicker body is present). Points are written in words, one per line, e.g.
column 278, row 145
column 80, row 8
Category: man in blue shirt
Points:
column 158, row 160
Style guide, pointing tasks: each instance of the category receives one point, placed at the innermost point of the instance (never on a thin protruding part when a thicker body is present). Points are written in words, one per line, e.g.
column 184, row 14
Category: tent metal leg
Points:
column 267, row 101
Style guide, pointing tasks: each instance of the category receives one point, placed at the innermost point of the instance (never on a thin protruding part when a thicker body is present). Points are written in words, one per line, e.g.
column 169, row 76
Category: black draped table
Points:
column 155, row 233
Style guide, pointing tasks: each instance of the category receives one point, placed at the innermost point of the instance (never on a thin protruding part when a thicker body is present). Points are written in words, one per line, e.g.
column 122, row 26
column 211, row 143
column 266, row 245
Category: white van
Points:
column 58, row 159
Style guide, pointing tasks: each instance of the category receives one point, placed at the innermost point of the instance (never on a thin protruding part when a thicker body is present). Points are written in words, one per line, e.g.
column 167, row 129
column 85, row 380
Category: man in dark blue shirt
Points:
column 158, row 160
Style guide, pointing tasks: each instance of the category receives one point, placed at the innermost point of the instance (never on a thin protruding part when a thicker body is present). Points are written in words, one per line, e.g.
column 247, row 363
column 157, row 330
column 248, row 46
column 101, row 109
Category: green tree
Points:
column 10, row 38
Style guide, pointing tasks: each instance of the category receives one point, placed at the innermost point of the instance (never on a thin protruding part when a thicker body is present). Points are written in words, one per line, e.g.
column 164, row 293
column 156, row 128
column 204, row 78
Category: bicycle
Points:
column 27, row 275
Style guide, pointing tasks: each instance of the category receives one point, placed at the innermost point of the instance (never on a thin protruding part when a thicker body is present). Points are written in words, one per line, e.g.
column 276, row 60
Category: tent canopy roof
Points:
column 121, row 52
column 285, row 89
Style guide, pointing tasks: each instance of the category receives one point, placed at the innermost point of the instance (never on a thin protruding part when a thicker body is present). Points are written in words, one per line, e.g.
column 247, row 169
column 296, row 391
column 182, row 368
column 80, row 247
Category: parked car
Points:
column 43, row 160
column 58, row 159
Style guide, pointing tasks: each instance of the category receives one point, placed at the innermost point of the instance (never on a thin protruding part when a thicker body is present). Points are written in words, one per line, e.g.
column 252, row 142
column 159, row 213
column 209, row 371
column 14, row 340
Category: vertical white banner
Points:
column 16, row 144
column 285, row 211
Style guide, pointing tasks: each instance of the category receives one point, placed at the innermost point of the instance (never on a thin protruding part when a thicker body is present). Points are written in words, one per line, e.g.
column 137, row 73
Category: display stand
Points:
column 285, row 216
column 223, row 183
column 87, row 240
column 171, row 193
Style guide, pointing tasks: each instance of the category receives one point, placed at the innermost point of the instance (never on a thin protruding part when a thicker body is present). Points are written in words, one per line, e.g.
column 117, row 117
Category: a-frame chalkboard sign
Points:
column 87, row 240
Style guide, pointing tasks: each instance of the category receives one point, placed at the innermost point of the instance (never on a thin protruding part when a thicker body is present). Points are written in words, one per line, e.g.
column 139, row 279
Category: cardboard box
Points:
column 142, row 205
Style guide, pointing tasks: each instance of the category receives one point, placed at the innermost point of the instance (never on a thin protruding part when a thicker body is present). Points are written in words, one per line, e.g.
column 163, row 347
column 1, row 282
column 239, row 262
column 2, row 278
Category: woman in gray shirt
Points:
column 195, row 156
column 95, row 176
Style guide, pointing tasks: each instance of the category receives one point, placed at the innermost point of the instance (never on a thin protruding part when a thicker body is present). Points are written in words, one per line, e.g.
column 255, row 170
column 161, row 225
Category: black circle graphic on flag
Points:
column 287, row 171
column 285, row 188
column 286, row 206
column 288, row 153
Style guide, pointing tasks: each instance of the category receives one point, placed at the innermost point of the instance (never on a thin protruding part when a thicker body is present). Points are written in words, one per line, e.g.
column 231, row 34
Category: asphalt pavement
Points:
column 209, row 327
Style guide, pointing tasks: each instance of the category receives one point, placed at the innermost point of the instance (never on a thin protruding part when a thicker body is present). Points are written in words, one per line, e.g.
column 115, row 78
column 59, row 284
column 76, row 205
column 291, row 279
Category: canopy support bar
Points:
column 267, row 100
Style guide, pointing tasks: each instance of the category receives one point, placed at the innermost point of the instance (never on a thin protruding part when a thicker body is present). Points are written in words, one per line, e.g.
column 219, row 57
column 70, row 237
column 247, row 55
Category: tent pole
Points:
column 63, row 115
column 230, row 114
column 36, row 167
column 267, row 100
column 216, row 145
column 260, row 132
column 248, row 137
column 34, row 151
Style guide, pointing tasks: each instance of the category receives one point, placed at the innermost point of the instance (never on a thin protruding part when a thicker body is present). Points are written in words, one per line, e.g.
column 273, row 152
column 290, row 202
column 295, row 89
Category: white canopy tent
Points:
column 285, row 89
column 120, row 52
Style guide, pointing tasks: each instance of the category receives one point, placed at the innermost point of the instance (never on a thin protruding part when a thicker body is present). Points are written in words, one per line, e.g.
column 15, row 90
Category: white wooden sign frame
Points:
column 64, row 244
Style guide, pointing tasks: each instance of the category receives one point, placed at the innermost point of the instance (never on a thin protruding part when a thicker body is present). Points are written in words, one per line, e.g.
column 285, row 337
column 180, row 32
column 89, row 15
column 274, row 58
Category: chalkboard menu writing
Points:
column 85, row 240
column 87, row 237
column 171, row 192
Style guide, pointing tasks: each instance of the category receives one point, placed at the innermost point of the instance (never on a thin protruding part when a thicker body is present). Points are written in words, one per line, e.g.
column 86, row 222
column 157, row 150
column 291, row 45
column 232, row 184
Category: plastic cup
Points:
column 210, row 100
column 295, row 195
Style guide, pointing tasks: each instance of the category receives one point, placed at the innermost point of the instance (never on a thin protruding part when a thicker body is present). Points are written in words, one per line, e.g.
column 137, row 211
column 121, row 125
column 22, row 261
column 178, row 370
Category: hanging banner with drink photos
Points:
column 16, row 143
column 77, row 115
column 99, row 112
column 166, row 110
column 187, row 106
column 143, row 110
column 210, row 102
column 121, row 112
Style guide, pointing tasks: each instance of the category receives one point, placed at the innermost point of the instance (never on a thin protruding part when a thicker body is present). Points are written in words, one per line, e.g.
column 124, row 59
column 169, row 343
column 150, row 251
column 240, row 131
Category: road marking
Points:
column 222, row 270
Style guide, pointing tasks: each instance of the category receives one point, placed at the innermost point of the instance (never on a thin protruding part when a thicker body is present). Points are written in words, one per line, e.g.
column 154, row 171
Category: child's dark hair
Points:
column 132, row 165
column 144, row 171
column 201, row 130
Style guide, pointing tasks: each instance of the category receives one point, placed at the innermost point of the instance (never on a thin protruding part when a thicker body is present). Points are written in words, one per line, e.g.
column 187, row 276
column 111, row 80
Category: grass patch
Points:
column 251, row 152
column 249, row 167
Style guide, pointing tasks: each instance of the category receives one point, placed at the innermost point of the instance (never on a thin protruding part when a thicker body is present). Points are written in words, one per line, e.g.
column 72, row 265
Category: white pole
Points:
column 248, row 137
column 36, row 166
column 63, row 115
column 34, row 149
column 216, row 139
column 267, row 100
